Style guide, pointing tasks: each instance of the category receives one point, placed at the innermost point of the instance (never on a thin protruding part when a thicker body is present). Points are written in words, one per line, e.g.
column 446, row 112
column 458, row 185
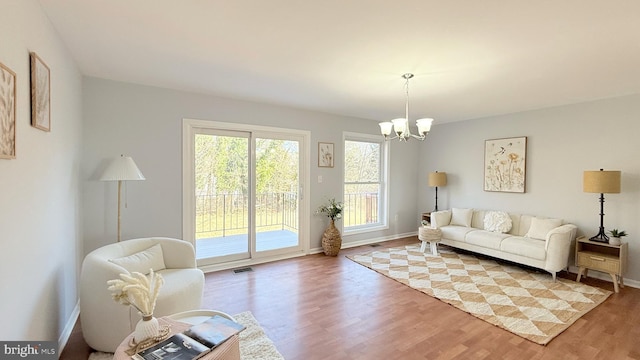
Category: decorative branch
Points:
column 137, row 290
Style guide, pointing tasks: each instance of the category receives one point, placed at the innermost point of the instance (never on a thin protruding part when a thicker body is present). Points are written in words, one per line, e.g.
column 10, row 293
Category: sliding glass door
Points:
column 277, row 192
column 222, row 194
column 246, row 188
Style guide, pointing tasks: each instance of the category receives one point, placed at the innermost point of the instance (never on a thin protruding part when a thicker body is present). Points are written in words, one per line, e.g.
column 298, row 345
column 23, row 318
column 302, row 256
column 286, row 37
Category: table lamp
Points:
column 603, row 182
column 121, row 169
column 437, row 179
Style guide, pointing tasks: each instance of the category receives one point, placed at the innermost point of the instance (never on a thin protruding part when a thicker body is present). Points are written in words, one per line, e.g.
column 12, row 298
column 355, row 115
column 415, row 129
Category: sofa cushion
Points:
column 529, row 247
column 540, row 227
column 497, row 221
column 485, row 238
column 461, row 217
column 151, row 258
column 456, row 233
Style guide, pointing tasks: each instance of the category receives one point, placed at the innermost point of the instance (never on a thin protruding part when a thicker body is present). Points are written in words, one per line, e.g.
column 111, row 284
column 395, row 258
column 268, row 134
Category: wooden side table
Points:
column 611, row 259
column 426, row 216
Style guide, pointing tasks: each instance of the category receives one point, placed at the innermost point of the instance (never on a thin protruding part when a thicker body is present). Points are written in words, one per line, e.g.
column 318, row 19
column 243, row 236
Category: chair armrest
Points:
column 178, row 254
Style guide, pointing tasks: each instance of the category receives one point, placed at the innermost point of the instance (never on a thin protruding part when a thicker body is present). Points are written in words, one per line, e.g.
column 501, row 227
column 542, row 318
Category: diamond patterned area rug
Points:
column 524, row 302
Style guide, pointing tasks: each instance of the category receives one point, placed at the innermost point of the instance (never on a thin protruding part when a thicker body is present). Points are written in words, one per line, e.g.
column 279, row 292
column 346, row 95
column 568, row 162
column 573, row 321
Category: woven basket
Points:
column 429, row 234
column 331, row 240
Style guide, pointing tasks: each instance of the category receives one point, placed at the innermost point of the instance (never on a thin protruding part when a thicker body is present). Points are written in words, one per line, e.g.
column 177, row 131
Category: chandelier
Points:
column 401, row 125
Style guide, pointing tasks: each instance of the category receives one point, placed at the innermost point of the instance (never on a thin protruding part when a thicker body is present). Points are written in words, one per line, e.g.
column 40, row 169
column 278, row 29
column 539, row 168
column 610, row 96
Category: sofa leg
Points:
column 554, row 276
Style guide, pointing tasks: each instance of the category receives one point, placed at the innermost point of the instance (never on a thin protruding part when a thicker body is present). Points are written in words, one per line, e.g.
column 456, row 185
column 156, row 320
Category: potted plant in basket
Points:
column 331, row 240
column 616, row 236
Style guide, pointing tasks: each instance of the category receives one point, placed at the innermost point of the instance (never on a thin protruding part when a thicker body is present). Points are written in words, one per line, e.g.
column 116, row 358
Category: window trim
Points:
column 383, row 207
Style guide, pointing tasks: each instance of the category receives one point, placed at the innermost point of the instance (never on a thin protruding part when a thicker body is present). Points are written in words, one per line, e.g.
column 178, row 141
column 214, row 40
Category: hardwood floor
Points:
column 319, row 307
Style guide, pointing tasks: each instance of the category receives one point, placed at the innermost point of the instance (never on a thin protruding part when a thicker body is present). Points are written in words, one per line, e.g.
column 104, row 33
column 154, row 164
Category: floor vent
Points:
column 374, row 245
column 241, row 270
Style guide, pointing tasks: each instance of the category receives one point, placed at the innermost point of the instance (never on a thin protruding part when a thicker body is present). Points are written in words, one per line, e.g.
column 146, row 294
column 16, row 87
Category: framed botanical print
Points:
column 505, row 164
column 40, row 94
column 7, row 113
column 325, row 154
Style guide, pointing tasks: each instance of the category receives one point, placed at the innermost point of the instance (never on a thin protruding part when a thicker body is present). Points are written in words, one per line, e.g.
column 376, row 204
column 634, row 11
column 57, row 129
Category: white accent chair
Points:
column 105, row 323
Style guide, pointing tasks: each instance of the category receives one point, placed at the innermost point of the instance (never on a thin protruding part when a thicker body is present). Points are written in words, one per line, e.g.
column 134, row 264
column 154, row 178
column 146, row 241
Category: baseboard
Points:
column 68, row 328
column 351, row 244
column 247, row 262
column 606, row 277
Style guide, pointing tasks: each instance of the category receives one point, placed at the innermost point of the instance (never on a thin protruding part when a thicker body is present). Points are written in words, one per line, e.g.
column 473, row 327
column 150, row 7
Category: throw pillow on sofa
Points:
column 497, row 221
column 440, row 218
column 461, row 217
column 540, row 227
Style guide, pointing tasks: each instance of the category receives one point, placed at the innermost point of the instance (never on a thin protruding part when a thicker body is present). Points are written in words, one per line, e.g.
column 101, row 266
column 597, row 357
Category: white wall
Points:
column 146, row 123
column 40, row 198
column 562, row 143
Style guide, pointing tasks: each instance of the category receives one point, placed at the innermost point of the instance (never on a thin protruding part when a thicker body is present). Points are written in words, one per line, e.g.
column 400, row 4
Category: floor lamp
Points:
column 121, row 169
column 437, row 179
column 603, row 182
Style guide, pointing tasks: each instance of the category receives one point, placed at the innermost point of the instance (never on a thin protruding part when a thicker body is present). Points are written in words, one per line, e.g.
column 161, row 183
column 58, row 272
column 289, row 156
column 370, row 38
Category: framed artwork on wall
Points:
column 325, row 154
column 7, row 113
column 40, row 94
column 505, row 164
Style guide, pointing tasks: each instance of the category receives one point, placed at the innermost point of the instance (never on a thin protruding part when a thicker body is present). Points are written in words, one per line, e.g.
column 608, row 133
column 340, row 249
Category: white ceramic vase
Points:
column 615, row 241
column 146, row 328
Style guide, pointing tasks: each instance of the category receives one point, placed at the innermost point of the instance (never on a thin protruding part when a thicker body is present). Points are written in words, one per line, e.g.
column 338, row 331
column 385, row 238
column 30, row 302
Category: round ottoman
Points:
column 429, row 235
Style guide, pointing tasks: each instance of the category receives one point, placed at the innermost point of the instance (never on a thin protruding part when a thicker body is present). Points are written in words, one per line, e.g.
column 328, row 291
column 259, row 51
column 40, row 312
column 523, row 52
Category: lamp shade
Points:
column 400, row 126
column 424, row 125
column 122, row 168
column 437, row 179
column 386, row 128
column 606, row 182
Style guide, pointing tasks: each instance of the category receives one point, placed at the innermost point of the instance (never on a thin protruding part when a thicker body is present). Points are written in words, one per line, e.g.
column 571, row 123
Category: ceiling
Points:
column 471, row 59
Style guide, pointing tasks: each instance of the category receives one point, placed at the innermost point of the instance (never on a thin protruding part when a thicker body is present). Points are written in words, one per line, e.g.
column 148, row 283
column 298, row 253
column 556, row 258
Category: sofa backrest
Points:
column 520, row 223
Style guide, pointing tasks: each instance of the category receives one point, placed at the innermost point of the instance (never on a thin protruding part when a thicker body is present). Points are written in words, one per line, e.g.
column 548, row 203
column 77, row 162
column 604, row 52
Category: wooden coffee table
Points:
column 228, row 350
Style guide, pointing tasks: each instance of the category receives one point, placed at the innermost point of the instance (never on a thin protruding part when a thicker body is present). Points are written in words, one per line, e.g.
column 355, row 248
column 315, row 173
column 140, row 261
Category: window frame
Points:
column 383, row 203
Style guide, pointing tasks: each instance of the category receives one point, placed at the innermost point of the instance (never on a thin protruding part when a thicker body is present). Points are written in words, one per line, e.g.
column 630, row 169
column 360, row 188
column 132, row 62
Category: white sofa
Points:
column 105, row 323
column 539, row 242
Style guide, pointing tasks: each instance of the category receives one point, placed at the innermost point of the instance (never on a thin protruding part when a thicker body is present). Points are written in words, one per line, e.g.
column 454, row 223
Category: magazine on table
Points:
column 195, row 342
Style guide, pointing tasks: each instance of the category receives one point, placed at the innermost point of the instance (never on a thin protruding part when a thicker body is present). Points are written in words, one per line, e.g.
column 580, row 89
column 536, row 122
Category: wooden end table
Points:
column 611, row 259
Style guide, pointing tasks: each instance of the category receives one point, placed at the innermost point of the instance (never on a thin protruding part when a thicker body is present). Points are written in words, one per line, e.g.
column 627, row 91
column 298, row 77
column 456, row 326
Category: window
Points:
column 365, row 183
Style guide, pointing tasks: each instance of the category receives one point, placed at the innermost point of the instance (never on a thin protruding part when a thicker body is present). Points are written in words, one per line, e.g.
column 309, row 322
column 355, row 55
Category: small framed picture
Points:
column 40, row 94
column 7, row 113
column 325, row 154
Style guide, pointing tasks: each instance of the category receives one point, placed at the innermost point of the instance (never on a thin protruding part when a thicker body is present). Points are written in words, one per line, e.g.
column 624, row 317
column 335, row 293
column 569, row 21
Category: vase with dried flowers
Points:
column 331, row 239
column 141, row 292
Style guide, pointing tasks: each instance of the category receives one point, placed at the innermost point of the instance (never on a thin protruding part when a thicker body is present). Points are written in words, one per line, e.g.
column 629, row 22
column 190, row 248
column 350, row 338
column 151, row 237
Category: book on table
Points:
column 194, row 342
